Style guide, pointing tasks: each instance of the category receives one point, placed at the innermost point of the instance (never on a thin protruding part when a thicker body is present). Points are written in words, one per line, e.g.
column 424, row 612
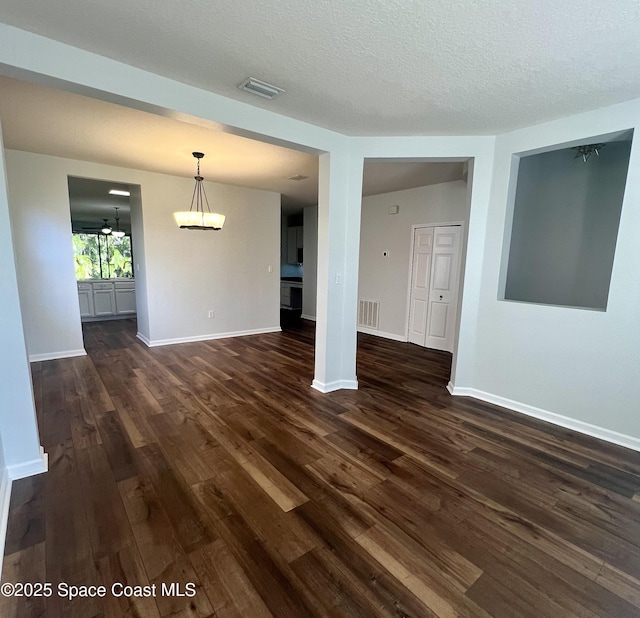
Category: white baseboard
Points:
column 239, row 333
column 308, row 317
column 337, row 385
column 5, row 499
column 29, row 468
column 550, row 417
column 144, row 339
column 379, row 333
column 36, row 358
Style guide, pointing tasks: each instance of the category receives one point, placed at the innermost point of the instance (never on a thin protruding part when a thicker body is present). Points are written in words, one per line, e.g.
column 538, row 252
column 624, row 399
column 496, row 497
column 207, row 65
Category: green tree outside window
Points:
column 98, row 256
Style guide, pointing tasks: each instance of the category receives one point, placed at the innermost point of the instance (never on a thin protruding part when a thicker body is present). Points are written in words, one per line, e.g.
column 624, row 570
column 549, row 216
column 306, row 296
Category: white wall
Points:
column 579, row 364
column 39, row 205
column 387, row 278
column 19, row 440
column 310, row 272
column 190, row 272
column 185, row 272
column 139, row 264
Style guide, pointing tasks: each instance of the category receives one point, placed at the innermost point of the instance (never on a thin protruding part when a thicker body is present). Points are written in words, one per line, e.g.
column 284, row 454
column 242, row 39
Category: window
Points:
column 100, row 256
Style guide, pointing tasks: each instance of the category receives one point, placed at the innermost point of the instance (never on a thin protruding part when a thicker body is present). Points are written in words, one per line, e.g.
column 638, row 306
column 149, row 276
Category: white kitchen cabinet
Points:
column 85, row 297
column 102, row 299
column 125, row 297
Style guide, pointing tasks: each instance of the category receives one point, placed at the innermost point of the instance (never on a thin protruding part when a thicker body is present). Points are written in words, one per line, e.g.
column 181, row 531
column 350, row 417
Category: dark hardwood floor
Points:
column 214, row 464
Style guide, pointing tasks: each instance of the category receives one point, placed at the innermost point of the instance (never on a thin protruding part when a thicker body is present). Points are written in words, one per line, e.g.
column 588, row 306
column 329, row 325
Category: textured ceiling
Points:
column 372, row 67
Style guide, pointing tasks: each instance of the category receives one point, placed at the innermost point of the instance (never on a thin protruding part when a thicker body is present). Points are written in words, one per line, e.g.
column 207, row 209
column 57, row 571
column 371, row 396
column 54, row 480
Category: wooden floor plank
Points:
column 424, row 583
column 266, row 575
column 164, row 560
column 22, row 566
column 124, row 568
column 231, row 592
column 27, row 508
column 329, row 588
column 190, row 526
column 107, row 522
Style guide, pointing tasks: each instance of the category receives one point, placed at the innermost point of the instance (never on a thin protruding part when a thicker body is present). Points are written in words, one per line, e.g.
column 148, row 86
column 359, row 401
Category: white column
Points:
column 464, row 357
column 18, row 425
column 339, row 204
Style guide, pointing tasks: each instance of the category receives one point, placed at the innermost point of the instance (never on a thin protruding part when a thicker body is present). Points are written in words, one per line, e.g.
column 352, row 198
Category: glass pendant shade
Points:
column 117, row 233
column 196, row 218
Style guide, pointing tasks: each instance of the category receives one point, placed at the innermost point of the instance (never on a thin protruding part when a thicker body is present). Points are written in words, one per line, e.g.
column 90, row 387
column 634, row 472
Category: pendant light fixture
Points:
column 196, row 218
column 117, row 233
column 106, row 228
column 587, row 150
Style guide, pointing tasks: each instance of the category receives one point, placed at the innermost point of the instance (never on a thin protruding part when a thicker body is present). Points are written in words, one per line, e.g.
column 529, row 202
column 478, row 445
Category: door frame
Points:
column 462, row 259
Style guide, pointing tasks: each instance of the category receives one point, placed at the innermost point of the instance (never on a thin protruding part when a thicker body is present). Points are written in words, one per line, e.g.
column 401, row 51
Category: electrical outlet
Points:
column 212, row 313
column 338, row 278
column 270, row 268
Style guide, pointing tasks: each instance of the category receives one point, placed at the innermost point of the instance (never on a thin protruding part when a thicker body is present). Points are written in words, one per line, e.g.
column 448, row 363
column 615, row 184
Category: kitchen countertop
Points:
column 292, row 282
column 105, row 280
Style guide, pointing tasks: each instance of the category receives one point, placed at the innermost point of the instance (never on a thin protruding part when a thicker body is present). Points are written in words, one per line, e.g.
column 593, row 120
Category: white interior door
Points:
column 443, row 291
column 420, row 277
column 432, row 316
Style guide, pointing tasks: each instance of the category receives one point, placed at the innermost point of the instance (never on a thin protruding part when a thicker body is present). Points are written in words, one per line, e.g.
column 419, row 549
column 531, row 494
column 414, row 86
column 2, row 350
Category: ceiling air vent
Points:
column 262, row 89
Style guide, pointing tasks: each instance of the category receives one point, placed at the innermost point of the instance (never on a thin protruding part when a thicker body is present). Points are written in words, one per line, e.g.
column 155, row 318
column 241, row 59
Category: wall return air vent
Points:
column 368, row 313
column 262, row 89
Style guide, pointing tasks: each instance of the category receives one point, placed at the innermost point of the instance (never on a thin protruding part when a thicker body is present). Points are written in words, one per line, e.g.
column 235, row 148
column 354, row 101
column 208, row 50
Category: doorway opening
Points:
column 299, row 248
column 414, row 219
column 103, row 246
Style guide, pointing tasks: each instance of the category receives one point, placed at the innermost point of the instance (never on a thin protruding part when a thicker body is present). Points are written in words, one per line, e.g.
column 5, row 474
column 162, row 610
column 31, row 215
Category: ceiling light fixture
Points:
column 298, row 177
column 262, row 89
column 117, row 233
column 587, row 150
column 196, row 218
column 106, row 228
column 120, row 192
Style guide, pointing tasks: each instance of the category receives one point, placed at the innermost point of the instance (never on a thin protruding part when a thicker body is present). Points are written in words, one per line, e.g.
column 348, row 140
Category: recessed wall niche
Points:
column 566, row 213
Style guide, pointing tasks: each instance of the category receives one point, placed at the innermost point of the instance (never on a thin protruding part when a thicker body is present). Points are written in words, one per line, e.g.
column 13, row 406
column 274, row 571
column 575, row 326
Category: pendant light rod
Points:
column 117, row 233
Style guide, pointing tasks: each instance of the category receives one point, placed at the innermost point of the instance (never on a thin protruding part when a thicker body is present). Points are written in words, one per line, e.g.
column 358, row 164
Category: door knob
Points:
column 440, row 296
